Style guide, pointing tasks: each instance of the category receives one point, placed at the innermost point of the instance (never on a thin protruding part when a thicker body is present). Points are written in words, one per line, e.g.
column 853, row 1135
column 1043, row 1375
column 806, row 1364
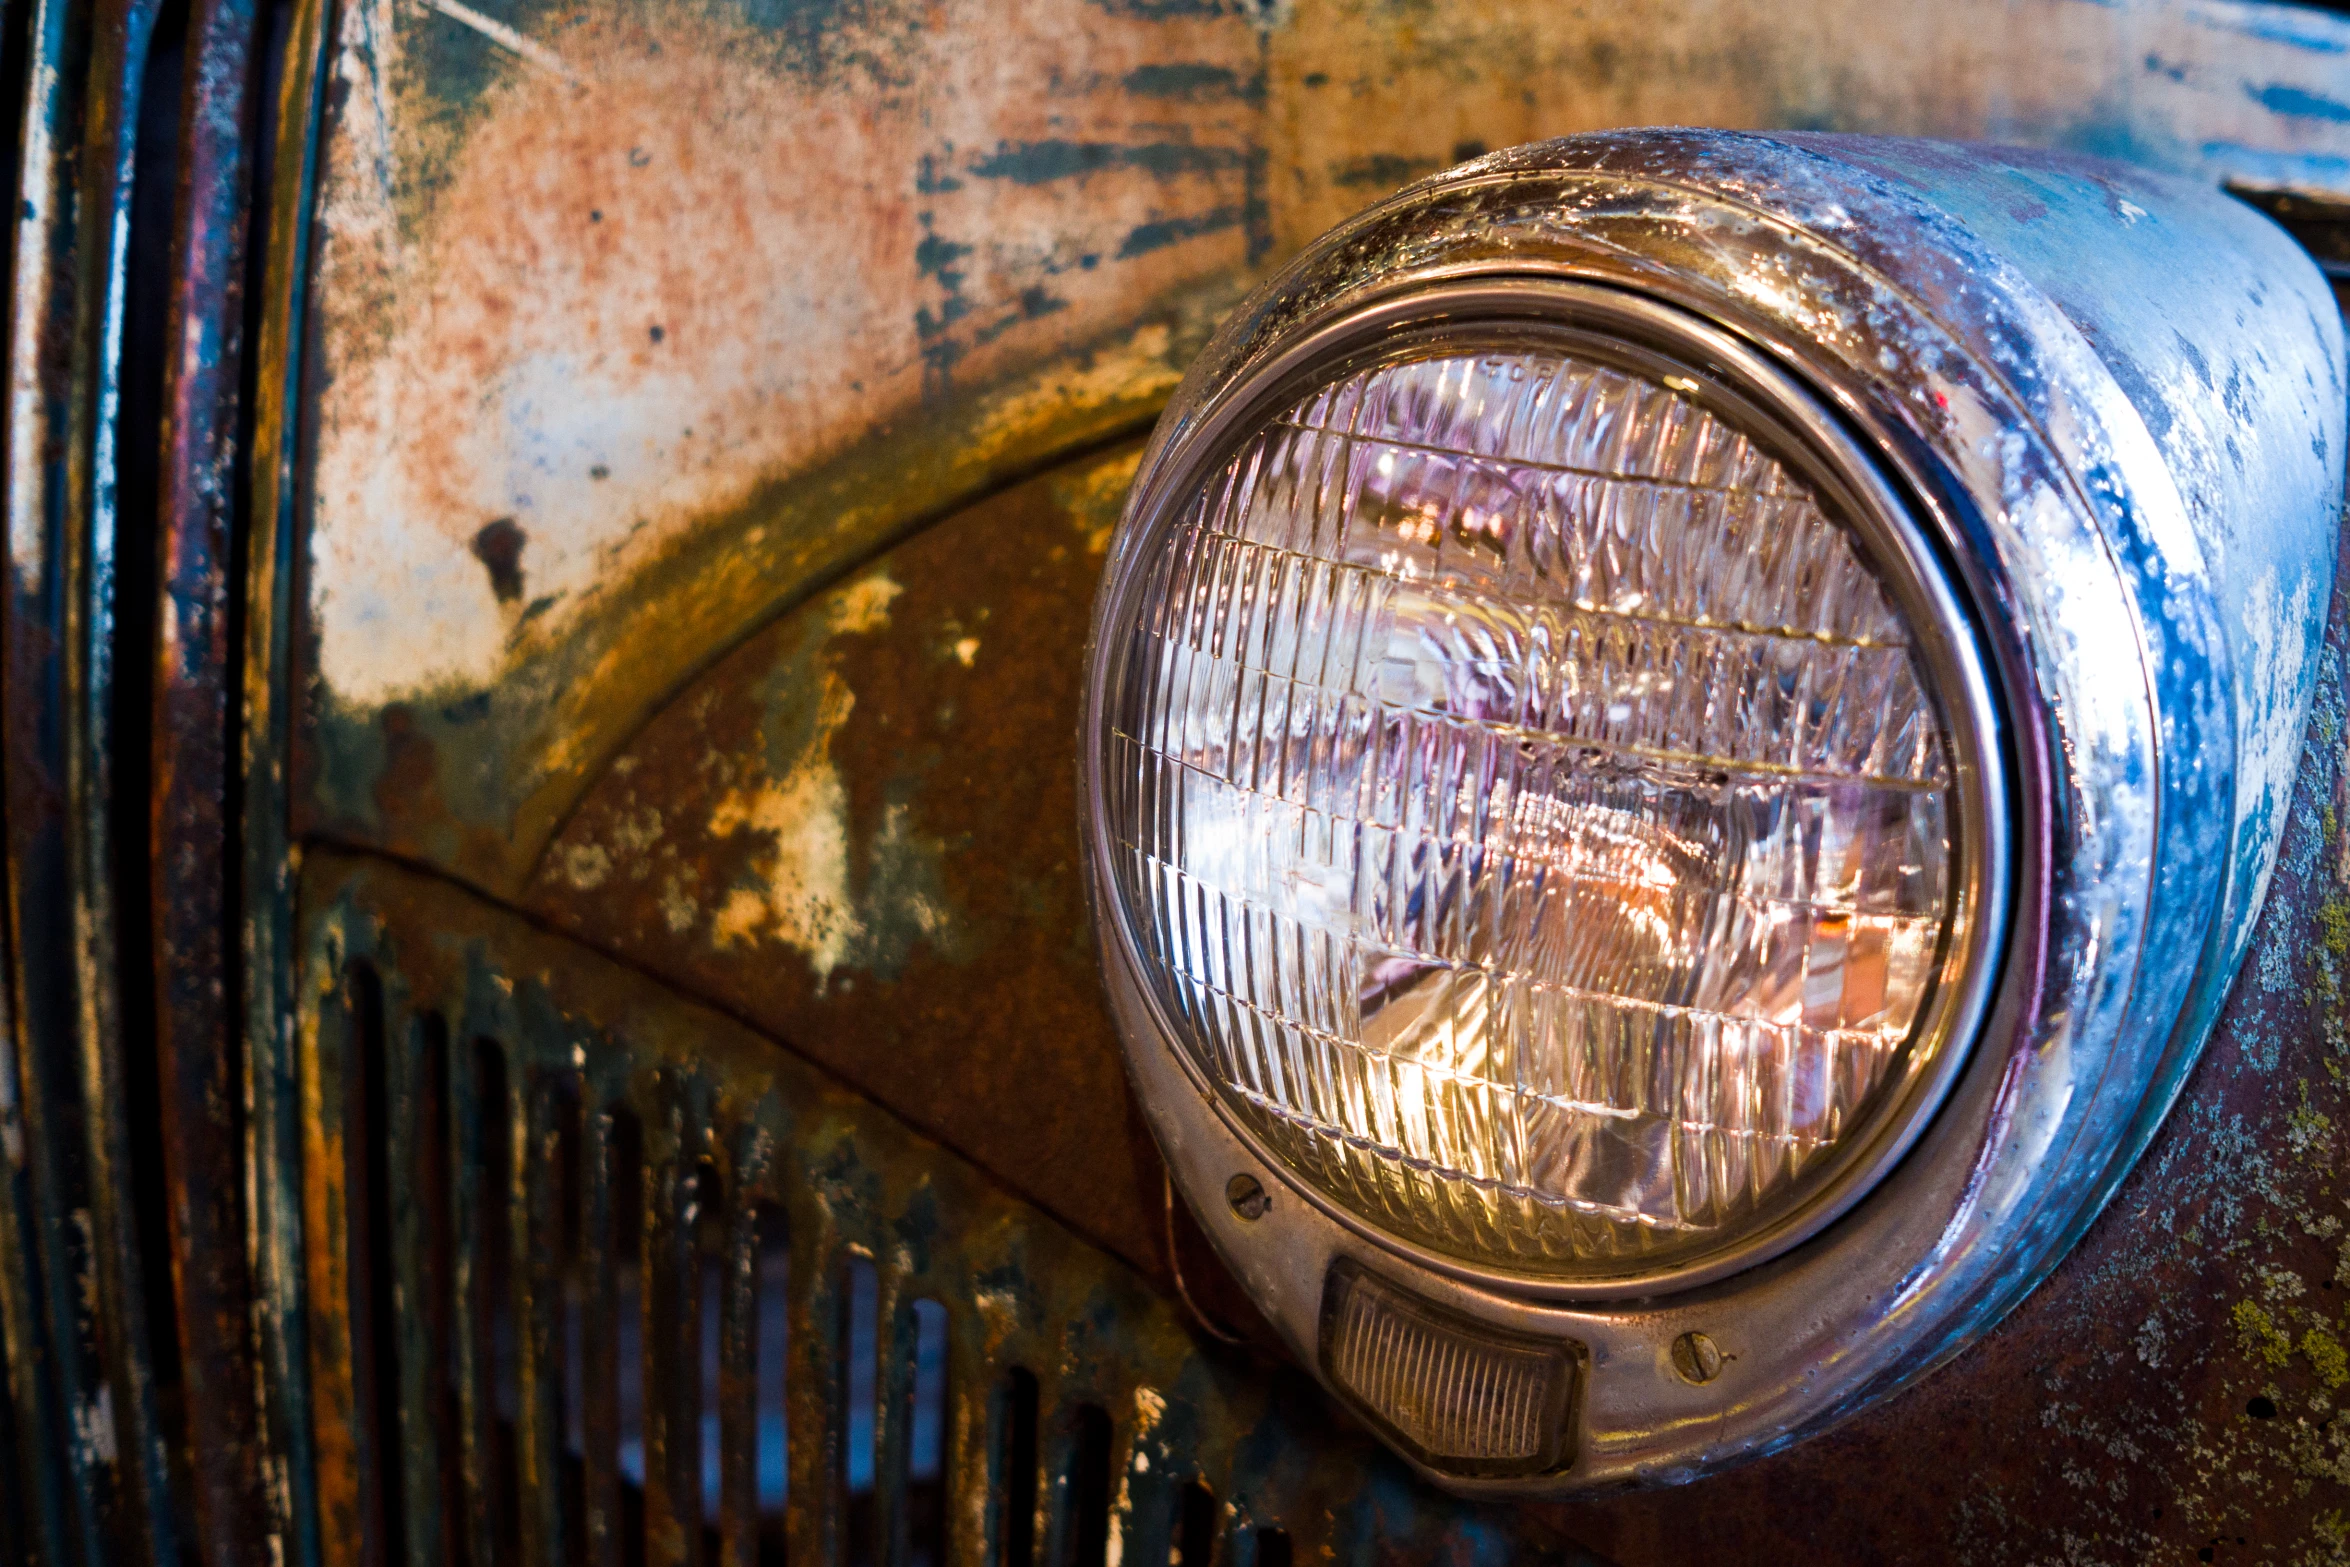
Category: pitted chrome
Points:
column 2052, row 415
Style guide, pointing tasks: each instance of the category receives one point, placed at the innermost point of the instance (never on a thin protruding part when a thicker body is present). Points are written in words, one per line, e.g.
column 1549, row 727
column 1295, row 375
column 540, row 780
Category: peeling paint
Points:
column 590, row 306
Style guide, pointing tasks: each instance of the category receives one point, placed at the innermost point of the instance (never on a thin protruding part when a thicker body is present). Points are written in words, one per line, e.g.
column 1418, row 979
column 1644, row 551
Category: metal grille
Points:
column 551, row 1210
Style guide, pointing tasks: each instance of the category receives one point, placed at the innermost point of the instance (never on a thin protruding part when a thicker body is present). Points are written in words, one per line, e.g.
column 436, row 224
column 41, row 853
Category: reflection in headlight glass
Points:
column 1529, row 801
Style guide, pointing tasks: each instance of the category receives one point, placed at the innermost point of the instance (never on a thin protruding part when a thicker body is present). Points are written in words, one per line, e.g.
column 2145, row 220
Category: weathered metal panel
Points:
column 2178, row 1383
column 201, row 1091
column 636, row 328
column 267, row 859
column 859, row 832
column 635, row 321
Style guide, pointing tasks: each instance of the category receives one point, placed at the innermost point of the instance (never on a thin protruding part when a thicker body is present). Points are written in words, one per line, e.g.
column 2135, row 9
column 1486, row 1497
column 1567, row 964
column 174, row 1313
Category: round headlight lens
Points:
column 1524, row 797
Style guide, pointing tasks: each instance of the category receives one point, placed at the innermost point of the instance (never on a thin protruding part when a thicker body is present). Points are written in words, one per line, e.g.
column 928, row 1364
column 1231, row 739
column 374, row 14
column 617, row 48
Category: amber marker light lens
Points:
column 1528, row 804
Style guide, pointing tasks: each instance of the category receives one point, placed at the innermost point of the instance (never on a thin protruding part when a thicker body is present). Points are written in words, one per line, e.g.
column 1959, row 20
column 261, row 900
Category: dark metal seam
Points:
column 194, row 668
column 274, row 1137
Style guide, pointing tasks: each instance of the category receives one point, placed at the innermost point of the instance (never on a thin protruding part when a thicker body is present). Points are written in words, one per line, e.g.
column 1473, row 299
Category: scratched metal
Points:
column 896, row 256
column 597, row 405
column 2116, row 1417
column 1899, row 1284
column 494, row 1048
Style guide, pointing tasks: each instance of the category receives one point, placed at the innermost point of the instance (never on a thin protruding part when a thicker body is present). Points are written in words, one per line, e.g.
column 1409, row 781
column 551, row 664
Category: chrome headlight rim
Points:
column 1614, row 318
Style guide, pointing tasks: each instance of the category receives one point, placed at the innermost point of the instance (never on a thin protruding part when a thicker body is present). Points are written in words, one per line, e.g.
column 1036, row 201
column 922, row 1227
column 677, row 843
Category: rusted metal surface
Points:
column 267, row 858
column 594, row 407
column 2176, row 1386
column 565, row 307
column 2119, row 1416
column 859, row 831
column 631, row 330
column 541, row 1047
column 202, row 1088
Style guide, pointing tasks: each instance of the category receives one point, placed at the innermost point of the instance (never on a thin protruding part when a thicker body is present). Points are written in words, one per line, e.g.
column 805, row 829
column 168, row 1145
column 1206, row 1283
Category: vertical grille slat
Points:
column 478, row 1193
column 738, row 1414
column 1014, row 1490
column 467, row 1310
column 599, row 1347
column 1145, row 1481
column 427, row 1262
column 894, row 1390
column 538, row 1437
column 373, row 1080
column 814, row 1528
column 672, row 1365
column 699, row 1413
column 1057, row 1481
column 621, row 1211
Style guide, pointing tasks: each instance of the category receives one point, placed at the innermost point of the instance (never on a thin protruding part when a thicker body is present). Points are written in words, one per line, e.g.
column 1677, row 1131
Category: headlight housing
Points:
column 1682, row 735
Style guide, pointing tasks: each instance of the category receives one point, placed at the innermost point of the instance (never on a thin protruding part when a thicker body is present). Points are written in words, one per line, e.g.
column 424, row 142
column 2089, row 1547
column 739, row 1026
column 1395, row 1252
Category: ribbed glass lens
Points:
column 1525, row 792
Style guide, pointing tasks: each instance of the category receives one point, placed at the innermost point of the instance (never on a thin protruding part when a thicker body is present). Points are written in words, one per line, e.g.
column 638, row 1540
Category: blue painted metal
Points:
column 2229, row 346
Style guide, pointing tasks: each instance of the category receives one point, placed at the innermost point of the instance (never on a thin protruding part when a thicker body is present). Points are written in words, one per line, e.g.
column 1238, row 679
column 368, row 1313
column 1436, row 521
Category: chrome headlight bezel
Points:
column 1716, row 369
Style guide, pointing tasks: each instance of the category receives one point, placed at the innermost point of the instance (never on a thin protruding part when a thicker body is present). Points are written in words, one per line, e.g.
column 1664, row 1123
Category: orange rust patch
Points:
column 631, row 293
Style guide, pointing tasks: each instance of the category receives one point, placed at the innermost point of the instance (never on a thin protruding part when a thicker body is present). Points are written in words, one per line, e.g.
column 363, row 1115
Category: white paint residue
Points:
column 802, row 897
column 1149, row 1406
column 504, row 37
column 677, row 904
column 2278, row 665
column 93, row 1426
column 864, row 604
column 591, row 307
column 585, row 865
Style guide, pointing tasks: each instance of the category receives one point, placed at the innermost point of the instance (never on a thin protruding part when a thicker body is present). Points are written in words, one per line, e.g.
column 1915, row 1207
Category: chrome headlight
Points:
column 1674, row 710
column 1551, row 784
